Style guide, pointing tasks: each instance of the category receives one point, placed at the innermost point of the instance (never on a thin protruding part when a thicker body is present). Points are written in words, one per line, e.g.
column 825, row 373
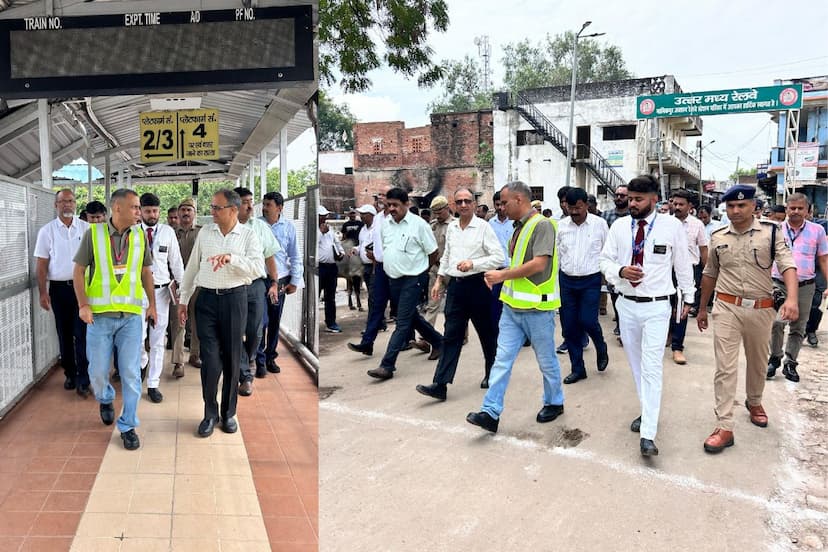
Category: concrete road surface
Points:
column 399, row 471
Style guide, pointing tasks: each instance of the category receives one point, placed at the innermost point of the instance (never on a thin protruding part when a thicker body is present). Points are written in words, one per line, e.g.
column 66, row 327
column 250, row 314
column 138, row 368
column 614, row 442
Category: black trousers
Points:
column 406, row 292
column 466, row 299
column 328, row 273
column 256, row 297
column 221, row 320
column 71, row 331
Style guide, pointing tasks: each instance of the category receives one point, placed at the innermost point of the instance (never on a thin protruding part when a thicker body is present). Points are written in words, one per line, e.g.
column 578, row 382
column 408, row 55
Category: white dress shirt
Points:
column 579, row 245
column 665, row 250
column 166, row 254
column 59, row 243
column 477, row 242
column 376, row 228
column 366, row 238
column 246, row 260
column 696, row 237
column 327, row 243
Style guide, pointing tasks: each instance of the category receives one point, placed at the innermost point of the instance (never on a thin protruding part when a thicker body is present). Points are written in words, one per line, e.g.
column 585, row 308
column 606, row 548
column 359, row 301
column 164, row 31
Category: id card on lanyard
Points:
column 120, row 266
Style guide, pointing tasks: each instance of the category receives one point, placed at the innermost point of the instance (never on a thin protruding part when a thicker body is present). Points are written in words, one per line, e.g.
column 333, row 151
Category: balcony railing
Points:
column 674, row 155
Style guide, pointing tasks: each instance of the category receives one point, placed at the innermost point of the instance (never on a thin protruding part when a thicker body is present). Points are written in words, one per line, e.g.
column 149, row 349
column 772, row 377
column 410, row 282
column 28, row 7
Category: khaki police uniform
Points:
column 743, row 310
column 436, row 306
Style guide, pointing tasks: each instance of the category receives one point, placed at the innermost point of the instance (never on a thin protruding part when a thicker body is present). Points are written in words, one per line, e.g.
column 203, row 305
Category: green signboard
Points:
column 720, row 102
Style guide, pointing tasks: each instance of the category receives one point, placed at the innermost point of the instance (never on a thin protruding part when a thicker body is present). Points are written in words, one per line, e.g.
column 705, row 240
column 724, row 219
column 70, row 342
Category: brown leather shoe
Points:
column 381, row 373
column 195, row 361
column 421, row 345
column 435, row 354
column 718, row 440
column 678, row 357
column 246, row 388
column 757, row 415
column 178, row 370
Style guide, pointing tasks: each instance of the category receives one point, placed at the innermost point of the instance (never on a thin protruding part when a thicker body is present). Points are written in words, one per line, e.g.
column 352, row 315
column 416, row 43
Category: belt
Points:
column 64, row 282
column 227, row 291
column 765, row 303
column 580, row 277
column 637, row 299
column 801, row 283
column 162, row 285
column 474, row 277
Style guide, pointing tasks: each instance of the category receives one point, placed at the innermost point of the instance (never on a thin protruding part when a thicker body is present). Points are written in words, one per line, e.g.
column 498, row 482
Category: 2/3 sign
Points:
column 179, row 135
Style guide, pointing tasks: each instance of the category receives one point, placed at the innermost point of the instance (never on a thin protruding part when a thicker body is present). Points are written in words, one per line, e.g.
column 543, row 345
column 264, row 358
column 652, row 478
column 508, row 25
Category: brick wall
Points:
column 337, row 191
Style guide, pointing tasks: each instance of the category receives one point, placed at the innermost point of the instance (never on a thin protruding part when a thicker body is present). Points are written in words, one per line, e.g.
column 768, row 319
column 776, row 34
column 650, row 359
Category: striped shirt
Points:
column 246, row 260
column 807, row 243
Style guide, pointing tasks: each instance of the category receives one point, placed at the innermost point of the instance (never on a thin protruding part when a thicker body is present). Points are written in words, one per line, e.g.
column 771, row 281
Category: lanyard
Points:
column 637, row 250
column 119, row 255
column 793, row 236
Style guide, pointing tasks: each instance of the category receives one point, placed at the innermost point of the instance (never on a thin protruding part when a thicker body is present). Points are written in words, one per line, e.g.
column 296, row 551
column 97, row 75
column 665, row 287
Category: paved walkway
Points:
column 428, row 480
column 67, row 483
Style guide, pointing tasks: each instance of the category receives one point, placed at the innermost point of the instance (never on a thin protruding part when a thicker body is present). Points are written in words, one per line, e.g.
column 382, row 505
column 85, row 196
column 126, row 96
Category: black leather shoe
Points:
column 648, row 447
column 549, row 412
column 773, row 364
column 144, row 372
column 261, row 371
column 107, row 414
column 789, row 371
column 573, row 378
column 205, row 428
column 482, row 419
column 381, row 373
column 635, row 426
column 130, row 439
column 484, row 383
column 69, row 384
column 272, row 367
column 562, row 348
column 435, row 391
column 82, row 391
column 229, row 425
column 366, row 350
column 246, row 388
column 603, row 359
column 154, row 394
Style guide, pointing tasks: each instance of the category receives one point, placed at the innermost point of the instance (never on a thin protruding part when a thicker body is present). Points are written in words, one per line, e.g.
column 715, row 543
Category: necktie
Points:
column 149, row 237
column 638, row 248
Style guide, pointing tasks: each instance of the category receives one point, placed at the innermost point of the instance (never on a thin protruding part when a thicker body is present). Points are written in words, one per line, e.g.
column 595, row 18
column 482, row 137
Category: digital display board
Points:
column 150, row 52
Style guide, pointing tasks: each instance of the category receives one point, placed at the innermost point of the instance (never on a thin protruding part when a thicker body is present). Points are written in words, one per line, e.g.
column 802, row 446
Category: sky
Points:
column 705, row 44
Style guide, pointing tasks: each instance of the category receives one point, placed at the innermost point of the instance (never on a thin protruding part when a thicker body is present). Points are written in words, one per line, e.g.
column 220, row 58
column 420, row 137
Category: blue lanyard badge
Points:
column 638, row 249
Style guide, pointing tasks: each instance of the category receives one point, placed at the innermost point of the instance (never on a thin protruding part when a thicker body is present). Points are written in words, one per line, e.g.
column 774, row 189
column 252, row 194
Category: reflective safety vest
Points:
column 522, row 293
column 105, row 292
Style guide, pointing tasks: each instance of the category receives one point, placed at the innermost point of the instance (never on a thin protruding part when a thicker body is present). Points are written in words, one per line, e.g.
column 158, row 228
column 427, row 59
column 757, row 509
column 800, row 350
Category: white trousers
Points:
column 644, row 328
column 157, row 337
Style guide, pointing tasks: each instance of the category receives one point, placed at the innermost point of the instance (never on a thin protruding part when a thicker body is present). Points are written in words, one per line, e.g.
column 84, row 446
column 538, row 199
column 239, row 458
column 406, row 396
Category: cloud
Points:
column 371, row 108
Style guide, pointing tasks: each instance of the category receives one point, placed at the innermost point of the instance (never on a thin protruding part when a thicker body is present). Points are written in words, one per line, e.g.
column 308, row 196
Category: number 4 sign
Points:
column 191, row 134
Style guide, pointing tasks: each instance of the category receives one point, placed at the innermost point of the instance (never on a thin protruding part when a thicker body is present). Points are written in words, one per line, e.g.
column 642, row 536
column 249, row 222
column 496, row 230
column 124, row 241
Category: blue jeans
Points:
column 579, row 314
column 125, row 335
column 515, row 327
column 271, row 319
column 406, row 292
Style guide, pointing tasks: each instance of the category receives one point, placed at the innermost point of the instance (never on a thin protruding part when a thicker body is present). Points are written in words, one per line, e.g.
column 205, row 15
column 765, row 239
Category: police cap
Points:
column 739, row 192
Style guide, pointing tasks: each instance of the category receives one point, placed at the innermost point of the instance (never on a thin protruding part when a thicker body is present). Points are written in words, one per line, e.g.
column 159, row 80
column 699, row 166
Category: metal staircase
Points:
column 585, row 155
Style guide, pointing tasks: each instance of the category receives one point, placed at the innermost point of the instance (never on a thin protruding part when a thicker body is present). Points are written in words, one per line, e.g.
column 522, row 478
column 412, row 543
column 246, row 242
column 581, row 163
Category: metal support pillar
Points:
column 262, row 173
column 791, row 147
column 283, row 170
column 107, row 180
column 44, row 124
column 251, row 174
column 89, row 154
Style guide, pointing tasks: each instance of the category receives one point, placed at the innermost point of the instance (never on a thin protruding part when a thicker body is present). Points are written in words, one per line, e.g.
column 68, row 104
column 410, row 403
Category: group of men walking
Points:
column 119, row 282
column 509, row 276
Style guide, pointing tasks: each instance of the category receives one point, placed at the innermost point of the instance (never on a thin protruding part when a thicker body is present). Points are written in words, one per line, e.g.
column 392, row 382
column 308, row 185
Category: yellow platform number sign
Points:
column 187, row 135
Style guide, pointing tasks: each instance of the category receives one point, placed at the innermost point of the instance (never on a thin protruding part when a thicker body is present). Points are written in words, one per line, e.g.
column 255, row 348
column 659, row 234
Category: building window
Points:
column 417, row 144
column 620, row 132
column 529, row 138
column 537, row 193
column 377, row 145
column 349, row 170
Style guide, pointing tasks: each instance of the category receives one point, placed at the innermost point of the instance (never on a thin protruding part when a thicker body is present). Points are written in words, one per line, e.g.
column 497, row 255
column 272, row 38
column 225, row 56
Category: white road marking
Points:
column 676, row 480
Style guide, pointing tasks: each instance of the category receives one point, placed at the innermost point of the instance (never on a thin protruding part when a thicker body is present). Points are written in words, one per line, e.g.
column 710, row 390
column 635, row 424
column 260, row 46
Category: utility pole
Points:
column 484, row 50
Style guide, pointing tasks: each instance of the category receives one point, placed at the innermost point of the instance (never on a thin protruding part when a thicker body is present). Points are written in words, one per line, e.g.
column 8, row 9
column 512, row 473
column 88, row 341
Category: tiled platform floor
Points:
column 66, row 481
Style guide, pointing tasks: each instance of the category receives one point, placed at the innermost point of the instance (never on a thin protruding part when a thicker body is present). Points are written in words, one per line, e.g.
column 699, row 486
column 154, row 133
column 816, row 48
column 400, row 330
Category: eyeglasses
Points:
column 620, row 195
column 219, row 207
column 463, row 201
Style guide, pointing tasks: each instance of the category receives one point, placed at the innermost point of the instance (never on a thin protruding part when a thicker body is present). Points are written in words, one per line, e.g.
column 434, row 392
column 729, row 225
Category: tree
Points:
column 549, row 63
column 336, row 125
column 743, row 172
column 348, row 51
column 464, row 89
